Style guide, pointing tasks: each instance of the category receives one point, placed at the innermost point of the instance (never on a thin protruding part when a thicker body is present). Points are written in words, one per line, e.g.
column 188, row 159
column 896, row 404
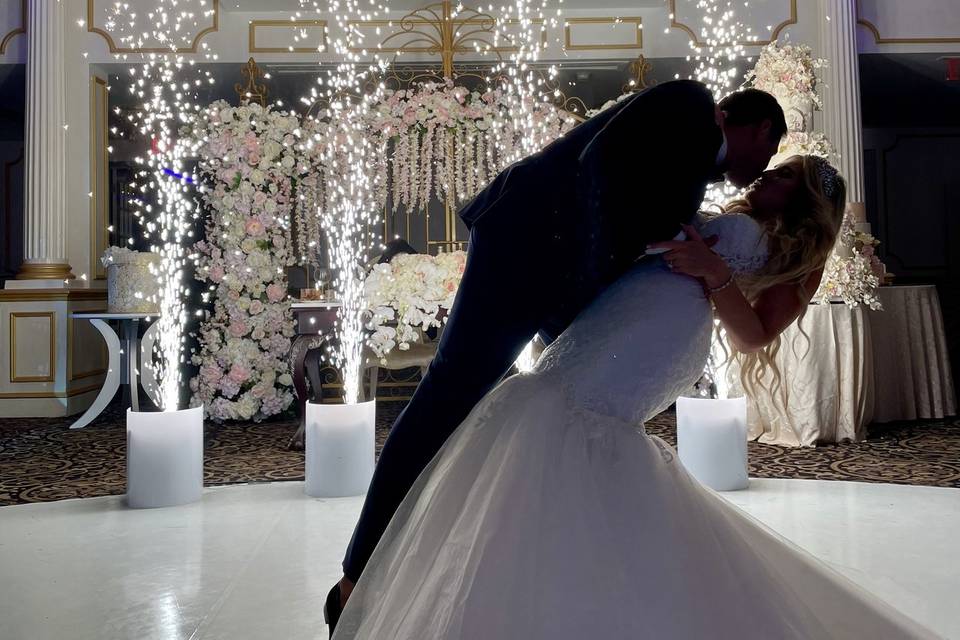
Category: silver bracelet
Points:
column 726, row 284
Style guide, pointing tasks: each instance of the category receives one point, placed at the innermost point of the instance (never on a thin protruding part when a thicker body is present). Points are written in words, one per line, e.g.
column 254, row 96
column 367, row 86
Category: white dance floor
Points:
column 255, row 561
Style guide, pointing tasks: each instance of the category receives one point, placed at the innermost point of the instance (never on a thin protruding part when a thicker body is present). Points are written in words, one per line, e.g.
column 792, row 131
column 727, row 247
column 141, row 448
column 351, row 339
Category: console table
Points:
column 122, row 367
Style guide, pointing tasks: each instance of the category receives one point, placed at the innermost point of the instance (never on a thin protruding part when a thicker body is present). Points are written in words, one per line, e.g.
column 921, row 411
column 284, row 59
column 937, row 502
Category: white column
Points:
column 842, row 122
column 45, row 228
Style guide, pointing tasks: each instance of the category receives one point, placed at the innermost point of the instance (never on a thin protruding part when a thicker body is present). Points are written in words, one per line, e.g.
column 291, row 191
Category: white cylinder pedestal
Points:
column 341, row 448
column 712, row 441
column 164, row 457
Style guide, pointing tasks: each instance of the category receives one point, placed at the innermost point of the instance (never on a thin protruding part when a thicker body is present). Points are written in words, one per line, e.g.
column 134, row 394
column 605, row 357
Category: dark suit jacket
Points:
column 626, row 177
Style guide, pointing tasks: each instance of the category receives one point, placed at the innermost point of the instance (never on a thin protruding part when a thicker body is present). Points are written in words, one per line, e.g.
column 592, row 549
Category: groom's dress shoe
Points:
column 331, row 609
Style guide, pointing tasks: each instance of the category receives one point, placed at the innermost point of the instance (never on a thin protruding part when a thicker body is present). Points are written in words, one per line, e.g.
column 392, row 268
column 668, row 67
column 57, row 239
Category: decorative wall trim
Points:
column 879, row 39
column 568, row 40
column 33, row 295
column 15, row 32
column 12, row 321
column 23, row 395
column 252, row 35
column 773, row 34
column 92, row 28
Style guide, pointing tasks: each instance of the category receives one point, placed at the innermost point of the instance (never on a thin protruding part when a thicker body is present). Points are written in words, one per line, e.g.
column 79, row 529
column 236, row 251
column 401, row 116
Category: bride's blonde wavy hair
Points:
column 799, row 242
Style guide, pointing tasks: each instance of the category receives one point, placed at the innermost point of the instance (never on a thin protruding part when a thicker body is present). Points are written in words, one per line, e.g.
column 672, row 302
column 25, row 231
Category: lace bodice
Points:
column 742, row 242
column 645, row 339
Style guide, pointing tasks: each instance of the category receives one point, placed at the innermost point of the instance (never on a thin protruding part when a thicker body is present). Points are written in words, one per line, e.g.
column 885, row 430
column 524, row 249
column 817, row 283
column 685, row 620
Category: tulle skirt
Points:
column 539, row 520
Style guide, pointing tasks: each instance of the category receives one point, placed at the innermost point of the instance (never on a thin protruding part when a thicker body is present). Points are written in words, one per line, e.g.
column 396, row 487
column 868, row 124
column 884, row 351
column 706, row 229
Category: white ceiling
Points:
column 407, row 5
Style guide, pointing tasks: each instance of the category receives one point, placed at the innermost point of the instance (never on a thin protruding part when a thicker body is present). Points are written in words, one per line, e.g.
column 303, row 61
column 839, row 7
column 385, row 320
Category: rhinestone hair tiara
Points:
column 828, row 176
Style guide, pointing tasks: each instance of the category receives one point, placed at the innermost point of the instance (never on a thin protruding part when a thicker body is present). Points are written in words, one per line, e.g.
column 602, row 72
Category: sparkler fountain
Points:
column 164, row 450
column 718, row 47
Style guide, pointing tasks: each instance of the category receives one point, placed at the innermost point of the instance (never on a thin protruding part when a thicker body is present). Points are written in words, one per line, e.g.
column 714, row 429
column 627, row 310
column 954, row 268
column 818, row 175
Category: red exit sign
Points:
column 953, row 69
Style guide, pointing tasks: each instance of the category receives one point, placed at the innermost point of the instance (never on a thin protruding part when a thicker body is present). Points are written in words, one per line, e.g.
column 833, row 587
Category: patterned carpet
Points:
column 42, row 460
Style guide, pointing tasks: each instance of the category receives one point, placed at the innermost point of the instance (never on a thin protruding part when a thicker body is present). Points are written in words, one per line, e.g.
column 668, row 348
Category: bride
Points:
column 550, row 514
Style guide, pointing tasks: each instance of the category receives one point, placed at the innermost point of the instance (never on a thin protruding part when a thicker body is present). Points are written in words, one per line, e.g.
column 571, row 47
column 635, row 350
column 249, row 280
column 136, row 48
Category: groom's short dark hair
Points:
column 752, row 106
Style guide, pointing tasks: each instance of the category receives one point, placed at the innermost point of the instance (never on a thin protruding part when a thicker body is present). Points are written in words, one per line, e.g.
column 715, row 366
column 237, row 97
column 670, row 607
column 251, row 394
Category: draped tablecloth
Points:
column 826, row 387
column 843, row 368
column 911, row 368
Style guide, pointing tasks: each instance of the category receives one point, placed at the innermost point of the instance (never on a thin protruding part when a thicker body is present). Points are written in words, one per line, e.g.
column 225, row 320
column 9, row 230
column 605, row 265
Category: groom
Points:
column 547, row 235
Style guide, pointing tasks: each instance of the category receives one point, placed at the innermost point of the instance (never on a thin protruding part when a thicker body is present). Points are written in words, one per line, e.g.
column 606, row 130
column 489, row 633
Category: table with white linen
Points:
column 843, row 368
column 911, row 367
column 826, row 391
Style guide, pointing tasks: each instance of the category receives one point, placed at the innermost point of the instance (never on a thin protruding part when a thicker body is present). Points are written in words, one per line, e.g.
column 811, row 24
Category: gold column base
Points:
column 45, row 271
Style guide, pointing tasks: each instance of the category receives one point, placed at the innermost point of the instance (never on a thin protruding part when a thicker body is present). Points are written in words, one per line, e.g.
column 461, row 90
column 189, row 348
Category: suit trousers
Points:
column 501, row 302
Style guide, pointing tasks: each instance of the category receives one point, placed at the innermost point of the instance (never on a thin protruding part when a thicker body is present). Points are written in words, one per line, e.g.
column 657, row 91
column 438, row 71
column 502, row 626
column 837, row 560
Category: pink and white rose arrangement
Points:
column 789, row 73
column 249, row 160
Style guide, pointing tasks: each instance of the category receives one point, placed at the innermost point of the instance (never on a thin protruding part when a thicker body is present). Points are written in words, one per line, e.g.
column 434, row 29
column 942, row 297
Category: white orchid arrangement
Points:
column 408, row 296
column 806, row 143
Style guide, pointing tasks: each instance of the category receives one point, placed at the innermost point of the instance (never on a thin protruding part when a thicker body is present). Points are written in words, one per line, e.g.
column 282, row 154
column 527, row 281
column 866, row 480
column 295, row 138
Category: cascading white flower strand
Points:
column 165, row 84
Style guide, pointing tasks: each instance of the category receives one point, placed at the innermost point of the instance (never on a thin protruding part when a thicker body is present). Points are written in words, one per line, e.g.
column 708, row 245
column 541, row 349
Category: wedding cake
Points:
column 131, row 287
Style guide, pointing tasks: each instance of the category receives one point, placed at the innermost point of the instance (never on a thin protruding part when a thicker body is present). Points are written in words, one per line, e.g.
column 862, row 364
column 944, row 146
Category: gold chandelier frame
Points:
column 440, row 31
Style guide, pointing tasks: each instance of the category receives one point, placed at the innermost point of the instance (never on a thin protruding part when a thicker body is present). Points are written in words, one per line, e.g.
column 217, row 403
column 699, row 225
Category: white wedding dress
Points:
column 550, row 515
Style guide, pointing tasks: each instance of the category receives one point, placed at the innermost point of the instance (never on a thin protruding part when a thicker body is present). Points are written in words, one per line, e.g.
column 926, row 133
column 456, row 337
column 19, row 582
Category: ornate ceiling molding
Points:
column 15, row 32
column 92, row 28
column 774, row 34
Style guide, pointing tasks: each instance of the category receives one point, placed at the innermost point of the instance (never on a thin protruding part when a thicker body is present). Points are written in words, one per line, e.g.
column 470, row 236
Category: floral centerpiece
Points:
column 250, row 162
column 789, row 73
column 853, row 271
column 407, row 296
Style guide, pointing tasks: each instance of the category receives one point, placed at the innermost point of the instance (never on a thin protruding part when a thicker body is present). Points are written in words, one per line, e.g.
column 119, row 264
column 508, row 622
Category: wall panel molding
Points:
column 264, row 26
column 630, row 29
column 51, row 363
column 93, row 28
column 879, row 39
column 791, row 19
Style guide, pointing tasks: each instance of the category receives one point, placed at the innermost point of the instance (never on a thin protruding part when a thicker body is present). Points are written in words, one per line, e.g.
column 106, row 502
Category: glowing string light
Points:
column 722, row 37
